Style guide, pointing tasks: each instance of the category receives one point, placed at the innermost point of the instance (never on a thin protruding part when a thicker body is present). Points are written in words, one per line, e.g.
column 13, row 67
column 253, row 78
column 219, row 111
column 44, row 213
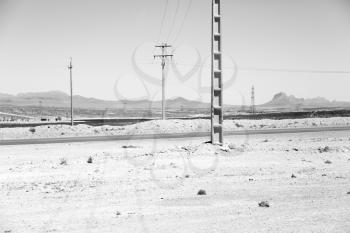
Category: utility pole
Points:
column 164, row 57
column 217, row 116
column 252, row 106
column 70, row 67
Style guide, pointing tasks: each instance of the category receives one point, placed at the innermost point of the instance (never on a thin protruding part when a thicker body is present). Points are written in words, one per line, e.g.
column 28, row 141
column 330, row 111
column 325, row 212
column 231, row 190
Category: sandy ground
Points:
column 168, row 126
column 151, row 186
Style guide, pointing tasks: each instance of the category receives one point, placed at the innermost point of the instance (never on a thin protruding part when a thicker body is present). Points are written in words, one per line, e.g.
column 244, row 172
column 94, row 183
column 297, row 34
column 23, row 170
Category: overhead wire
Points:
column 161, row 24
column 174, row 20
column 183, row 21
column 296, row 70
column 267, row 69
column 163, row 20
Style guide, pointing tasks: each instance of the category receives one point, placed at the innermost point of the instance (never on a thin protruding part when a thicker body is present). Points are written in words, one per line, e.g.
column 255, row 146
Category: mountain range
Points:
column 62, row 100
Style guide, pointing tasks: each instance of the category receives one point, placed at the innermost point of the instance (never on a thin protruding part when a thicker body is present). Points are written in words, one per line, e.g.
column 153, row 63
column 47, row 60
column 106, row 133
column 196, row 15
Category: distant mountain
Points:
column 282, row 100
column 62, row 100
column 50, row 95
column 3, row 96
column 59, row 99
column 180, row 102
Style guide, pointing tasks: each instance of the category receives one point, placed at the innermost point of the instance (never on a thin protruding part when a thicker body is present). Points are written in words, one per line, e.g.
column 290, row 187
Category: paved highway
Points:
column 162, row 136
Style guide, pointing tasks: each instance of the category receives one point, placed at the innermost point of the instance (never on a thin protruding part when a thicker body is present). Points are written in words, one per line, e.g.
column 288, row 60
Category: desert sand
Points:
column 169, row 126
column 152, row 186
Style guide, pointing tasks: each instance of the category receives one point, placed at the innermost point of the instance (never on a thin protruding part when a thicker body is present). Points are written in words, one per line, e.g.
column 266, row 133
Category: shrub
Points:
column 32, row 130
column 202, row 192
column 63, row 161
column 89, row 159
column 324, row 150
column 129, row 147
column 264, row 204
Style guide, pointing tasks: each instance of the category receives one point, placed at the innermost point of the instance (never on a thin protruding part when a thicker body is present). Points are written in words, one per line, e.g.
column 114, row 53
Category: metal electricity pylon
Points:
column 70, row 67
column 252, row 104
column 164, row 57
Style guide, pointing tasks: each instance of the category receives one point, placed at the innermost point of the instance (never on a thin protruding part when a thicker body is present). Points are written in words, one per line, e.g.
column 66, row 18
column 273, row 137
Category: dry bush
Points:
column 264, row 204
column 202, row 192
column 90, row 159
column 63, row 161
column 324, row 149
column 129, row 147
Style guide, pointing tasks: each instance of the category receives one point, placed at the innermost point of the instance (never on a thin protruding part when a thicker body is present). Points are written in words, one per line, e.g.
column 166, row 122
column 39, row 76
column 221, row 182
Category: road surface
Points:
column 159, row 136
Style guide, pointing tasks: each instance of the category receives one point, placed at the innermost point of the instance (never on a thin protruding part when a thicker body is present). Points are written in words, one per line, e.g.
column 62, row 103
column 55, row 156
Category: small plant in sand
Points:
column 90, row 159
column 328, row 162
column 32, row 130
column 202, row 192
column 324, row 149
column 264, row 204
column 63, row 161
column 129, row 147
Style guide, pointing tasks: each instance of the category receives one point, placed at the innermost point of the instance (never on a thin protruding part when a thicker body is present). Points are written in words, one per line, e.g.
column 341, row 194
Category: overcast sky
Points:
column 37, row 37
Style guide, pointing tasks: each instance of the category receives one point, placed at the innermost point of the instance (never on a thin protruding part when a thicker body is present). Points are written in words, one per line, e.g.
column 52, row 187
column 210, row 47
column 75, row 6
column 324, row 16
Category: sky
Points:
column 112, row 43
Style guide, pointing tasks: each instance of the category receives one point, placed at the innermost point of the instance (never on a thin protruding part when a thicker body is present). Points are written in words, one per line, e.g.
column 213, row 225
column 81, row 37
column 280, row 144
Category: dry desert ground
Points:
column 168, row 126
column 152, row 186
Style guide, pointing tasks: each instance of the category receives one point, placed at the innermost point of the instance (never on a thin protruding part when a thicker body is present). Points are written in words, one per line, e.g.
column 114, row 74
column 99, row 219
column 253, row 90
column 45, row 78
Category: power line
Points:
column 276, row 69
column 340, row 72
column 174, row 20
column 163, row 19
column 296, row 70
column 183, row 21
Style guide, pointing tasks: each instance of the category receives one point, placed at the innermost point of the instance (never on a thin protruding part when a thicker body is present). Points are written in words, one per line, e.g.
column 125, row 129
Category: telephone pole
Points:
column 164, row 57
column 252, row 107
column 70, row 67
column 217, row 114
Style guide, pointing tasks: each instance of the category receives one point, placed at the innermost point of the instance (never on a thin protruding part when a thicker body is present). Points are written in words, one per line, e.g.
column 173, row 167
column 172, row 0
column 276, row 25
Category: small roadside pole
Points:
column 164, row 57
column 70, row 67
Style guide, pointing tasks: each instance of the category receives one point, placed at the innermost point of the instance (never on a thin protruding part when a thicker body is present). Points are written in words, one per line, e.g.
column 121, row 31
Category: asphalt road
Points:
column 164, row 136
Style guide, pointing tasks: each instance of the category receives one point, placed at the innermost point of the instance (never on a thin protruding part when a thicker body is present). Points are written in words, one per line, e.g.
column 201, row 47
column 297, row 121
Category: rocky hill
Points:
column 282, row 100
